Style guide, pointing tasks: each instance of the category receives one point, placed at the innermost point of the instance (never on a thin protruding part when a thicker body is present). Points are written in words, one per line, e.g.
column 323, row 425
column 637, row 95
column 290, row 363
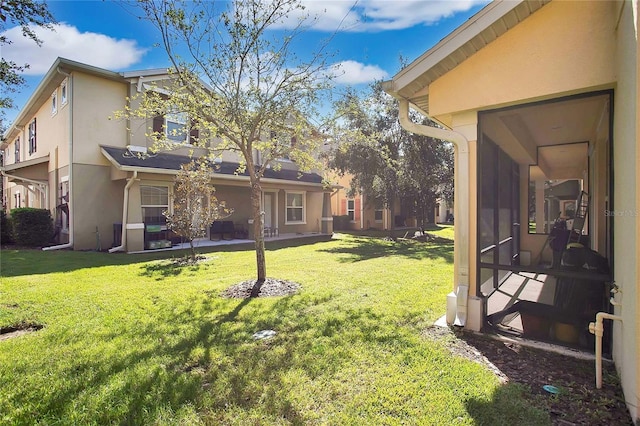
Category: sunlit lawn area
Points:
column 139, row 340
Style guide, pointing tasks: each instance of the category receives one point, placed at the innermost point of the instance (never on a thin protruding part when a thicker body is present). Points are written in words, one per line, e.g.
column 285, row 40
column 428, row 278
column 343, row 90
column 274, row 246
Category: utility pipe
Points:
column 125, row 213
column 461, row 204
column 597, row 328
column 71, row 198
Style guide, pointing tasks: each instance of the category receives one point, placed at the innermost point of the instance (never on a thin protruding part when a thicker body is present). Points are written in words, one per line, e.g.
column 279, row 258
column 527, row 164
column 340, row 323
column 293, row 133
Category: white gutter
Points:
column 70, row 200
column 125, row 213
column 461, row 207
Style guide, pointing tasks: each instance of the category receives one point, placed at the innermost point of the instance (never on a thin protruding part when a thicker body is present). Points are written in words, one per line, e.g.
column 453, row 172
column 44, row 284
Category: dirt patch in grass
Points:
column 578, row 403
column 18, row 330
column 270, row 287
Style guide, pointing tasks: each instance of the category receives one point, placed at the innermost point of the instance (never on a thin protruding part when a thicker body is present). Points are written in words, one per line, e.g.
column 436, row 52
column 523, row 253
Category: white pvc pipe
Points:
column 125, row 213
column 597, row 328
column 461, row 201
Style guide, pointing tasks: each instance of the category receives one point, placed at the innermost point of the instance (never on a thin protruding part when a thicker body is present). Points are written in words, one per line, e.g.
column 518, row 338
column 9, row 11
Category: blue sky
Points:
column 374, row 35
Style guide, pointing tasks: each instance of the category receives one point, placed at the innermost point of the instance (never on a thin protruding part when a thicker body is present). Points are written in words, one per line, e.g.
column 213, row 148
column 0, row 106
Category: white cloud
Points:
column 352, row 72
column 66, row 41
column 379, row 15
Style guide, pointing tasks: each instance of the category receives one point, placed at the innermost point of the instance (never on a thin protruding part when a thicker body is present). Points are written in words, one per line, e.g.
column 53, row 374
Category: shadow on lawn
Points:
column 364, row 248
column 204, row 356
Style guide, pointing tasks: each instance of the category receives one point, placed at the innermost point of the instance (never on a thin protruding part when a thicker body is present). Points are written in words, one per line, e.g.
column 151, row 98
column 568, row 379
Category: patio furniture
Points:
column 222, row 228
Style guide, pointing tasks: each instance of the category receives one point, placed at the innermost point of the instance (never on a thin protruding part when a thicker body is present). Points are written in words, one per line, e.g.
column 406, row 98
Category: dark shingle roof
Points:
column 122, row 157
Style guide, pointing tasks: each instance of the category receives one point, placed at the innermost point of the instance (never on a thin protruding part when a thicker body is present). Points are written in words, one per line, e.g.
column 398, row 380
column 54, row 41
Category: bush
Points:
column 32, row 227
column 341, row 223
column 5, row 228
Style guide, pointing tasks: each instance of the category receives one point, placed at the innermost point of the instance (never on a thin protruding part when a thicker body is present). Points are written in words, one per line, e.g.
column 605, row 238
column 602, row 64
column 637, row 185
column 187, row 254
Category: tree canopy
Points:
column 240, row 84
column 28, row 14
column 386, row 162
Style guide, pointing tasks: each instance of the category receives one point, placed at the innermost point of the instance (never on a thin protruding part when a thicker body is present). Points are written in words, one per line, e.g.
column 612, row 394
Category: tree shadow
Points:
column 363, row 248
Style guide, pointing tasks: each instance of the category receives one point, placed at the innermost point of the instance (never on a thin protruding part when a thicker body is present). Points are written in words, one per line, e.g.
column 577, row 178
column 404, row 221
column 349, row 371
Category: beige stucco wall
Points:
column 565, row 47
column 95, row 100
column 626, row 199
column 96, row 203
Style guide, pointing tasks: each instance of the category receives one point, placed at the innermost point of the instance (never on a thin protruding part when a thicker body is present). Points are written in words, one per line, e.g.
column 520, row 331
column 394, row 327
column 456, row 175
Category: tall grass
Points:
column 141, row 340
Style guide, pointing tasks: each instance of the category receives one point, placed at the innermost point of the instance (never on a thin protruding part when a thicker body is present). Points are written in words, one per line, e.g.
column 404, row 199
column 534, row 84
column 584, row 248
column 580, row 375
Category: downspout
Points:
column 461, row 209
column 70, row 201
column 125, row 213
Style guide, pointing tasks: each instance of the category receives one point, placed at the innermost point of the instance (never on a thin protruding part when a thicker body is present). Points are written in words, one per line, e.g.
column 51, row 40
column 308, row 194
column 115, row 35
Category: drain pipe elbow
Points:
column 597, row 328
column 461, row 203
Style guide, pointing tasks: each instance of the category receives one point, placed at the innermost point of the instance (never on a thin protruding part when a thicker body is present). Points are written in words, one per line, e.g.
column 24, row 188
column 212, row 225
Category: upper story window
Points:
column 175, row 125
column 32, row 137
column 296, row 207
column 63, row 93
column 17, row 150
column 54, row 103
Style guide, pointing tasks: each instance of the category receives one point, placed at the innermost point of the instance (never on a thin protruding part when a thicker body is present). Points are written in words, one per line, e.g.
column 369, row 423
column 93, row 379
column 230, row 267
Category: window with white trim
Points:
column 63, row 93
column 64, row 203
column 16, row 150
column 154, row 200
column 175, row 125
column 32, row 137
column 351, row 209
column 54, row 103
column 377, row 214
column 295, row 207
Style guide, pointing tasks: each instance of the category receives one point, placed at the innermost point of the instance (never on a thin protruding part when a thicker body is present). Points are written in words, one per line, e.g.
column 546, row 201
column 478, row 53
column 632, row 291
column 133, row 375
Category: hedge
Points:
column 32, row 227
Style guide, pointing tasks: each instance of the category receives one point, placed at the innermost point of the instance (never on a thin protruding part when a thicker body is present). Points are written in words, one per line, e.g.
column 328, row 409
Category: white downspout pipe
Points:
column 461, row 206
column 70, row 201
column 125, row 213
column 597, row 328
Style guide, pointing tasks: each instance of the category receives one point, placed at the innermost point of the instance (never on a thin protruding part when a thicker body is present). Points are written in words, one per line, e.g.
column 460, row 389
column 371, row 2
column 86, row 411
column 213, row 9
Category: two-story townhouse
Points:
column 95, row 174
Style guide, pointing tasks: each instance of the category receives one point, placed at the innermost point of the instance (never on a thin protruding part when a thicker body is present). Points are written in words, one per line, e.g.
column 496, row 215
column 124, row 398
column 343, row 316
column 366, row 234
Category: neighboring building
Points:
column 533, row 94
column 65, row 154
column 366, row 214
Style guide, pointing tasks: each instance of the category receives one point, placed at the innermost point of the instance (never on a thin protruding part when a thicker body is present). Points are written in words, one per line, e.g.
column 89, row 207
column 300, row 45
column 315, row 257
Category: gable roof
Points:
column 477, row 32
column 164, row 163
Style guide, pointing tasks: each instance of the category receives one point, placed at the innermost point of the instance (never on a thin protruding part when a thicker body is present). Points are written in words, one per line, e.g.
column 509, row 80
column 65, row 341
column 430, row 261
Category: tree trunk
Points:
column 258, row 230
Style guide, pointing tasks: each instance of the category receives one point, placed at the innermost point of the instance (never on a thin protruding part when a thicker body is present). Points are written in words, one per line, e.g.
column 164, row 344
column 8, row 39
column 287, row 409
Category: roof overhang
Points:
column 169, row 164
column 25, row 164
column 488, row 24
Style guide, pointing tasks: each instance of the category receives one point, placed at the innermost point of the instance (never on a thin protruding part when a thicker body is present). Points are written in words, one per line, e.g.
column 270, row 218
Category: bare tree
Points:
column 258, row 95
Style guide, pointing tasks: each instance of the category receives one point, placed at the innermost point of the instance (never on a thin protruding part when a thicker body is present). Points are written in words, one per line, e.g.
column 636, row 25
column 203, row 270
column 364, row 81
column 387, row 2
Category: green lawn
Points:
column 138, row 340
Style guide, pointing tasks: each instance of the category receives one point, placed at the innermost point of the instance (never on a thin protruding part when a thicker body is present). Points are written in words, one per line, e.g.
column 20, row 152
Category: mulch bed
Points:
column 579, row 402
column 270, row 287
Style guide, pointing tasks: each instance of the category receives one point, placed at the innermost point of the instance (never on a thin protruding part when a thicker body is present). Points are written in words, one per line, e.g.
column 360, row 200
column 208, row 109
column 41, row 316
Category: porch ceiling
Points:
column 529, row 132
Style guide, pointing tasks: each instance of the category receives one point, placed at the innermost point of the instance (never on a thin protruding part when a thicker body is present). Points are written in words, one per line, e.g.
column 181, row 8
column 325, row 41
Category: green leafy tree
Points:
column 195, row 205
column 27, row 14
column 386, row 161
column 241, row 84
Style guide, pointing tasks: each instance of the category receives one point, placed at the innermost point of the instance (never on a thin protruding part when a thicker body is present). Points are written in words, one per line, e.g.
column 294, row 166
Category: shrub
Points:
column 31, row 227
column 5, row 228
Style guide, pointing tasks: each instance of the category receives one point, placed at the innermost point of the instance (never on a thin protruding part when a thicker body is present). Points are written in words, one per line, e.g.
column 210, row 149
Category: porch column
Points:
column 327, row 218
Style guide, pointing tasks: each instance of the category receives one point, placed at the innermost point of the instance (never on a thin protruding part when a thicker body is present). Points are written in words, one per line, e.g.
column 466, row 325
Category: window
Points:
column 175, row 125
column 63, row 93
column 17, row 150
column 32, row 136
column 351, row 209
column 54, row 103
column 64, row 203
column 295, row 207
column 154, row 201
column 378, row 215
